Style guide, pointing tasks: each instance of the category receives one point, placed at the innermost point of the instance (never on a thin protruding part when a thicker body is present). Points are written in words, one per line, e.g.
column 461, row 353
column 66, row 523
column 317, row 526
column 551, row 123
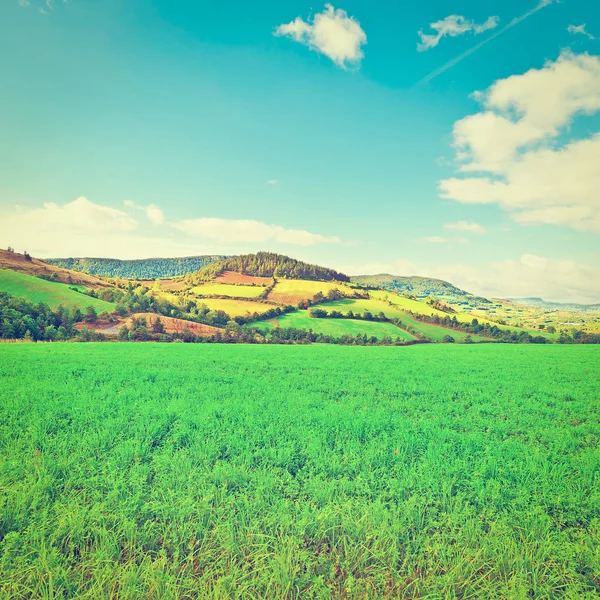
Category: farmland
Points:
column 51, row 293
column 335, row 327
column 235, row 308
column 292, row 471
column 233, row 291
column 292, row 291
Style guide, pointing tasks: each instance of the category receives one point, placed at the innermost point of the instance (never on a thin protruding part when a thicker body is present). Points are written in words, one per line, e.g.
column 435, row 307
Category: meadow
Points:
column 292, row 291
column 147, row 471
column 334, row 327
column 51, row 293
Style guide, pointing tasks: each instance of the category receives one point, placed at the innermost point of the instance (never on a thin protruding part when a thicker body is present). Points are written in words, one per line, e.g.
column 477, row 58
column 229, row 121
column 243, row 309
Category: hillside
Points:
column 37, row 268
column 417, row 286
column 146, row 268
column 268, row 264
column 563, row 306
column 52, row 293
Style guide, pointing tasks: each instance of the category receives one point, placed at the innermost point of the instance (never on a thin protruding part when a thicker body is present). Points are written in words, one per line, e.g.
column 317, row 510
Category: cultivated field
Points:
column 335, row 327
column 292, row 291
column 235, row 308
column 154, row 471
column 51, row 293
column 233, row 291
column 240, row 278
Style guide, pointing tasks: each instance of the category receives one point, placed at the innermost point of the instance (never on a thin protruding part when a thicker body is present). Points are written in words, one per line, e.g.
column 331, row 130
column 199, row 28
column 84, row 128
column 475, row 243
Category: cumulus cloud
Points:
column 512, row 146
column 249, row 231
column 580, row 30
column 154, row 213
column 84, row 228
column 331, row 32
column 527, row 276
column 465, row 226
column 453, row 26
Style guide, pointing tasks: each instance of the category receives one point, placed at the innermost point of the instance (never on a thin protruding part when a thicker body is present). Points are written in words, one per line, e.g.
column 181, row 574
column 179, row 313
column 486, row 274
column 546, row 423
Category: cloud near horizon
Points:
column 528, row 276
column 453, row 26
column 512, row 147
column 84, row 228
column 331, row 32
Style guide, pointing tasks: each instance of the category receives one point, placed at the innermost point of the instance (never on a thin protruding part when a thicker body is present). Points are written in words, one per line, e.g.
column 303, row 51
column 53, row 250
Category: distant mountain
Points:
column 145, row 268
column 566, row 306
column 418, row 286
column 269, row 264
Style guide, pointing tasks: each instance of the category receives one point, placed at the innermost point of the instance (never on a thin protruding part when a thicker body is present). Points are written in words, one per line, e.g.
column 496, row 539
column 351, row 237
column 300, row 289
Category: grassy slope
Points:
column 290, row 471
column 37, row 290
column 292, row 291
column 422, row 308
column 433, row 332
column 235, row 308
column 233, row 291
column 336, row 327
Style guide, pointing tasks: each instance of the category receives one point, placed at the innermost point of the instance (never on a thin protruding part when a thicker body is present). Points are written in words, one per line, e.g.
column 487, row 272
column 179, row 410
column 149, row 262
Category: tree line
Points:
column 267, row 264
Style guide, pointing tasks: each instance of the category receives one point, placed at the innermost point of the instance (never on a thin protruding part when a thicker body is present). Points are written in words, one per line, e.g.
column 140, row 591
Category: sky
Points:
column 457, row 139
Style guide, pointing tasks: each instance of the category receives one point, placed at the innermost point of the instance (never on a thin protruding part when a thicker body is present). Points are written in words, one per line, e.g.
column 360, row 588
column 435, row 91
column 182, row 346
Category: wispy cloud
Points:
column 272, row 181
column 542, row 4
column 154, row 213
column 331, row 32
column 580, row 30
column 440, row 239
column 465, row 226
column 453, row 26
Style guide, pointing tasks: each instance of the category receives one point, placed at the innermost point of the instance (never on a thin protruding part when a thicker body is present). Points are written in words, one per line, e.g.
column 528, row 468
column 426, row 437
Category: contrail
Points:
column 454, row 61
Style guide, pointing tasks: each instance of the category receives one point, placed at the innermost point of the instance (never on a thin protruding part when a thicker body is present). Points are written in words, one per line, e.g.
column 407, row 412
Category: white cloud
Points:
column 249, row 231
column 465, row 226
column 451, row 63
column 512, row 146
column 331, row 32
column 555, row 280
column 438, row 239
column 453, row 26
column 154, row 213
column 83, row 228
column 272, row 181
column 580, row 30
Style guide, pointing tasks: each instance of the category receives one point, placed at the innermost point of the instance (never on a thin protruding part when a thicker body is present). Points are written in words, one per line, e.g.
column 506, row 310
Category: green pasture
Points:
column 159, row 471
column 51, row 293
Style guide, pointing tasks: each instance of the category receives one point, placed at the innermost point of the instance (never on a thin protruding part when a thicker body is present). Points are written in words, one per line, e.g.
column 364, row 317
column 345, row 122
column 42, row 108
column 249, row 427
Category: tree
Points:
column 27, row 256
column 157, row 326
column 448, row 339
column 124, row 333
column 90, row 315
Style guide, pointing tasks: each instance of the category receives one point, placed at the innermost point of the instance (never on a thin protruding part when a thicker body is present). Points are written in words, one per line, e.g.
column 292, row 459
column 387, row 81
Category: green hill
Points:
column 146, row 268
column 268, row 264
column 53, row 294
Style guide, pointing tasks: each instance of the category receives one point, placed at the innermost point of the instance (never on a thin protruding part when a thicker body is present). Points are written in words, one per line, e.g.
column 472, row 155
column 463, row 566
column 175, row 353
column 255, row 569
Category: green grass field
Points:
column 51, row 293
column 433, row 332
column 422, row 308
column 233, row 291
column 158, row 471
column 335, row 327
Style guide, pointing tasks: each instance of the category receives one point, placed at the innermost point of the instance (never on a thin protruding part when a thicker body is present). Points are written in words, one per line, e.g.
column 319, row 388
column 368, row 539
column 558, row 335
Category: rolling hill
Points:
column 52, row 293
column 146, row 268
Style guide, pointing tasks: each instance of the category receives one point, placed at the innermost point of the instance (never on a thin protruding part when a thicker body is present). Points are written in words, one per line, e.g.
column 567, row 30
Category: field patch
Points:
column 233, row 291
column 433, row 471
column 173, row 325
column 51, row 293
column 234, row 278
column 235, row 308
column 292, row 291
column 336, row 327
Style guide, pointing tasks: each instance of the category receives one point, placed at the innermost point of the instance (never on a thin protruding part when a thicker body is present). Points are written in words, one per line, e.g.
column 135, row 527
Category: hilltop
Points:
column 145, row 268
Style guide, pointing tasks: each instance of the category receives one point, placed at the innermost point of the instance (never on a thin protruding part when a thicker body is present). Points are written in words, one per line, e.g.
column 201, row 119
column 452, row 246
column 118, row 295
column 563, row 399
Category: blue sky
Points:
column 173, row 128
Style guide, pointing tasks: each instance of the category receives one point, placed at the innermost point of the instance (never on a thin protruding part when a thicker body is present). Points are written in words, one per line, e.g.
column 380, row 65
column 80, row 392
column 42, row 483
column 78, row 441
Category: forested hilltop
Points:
column 417, row 286
column 146, row 268
column 268, row 264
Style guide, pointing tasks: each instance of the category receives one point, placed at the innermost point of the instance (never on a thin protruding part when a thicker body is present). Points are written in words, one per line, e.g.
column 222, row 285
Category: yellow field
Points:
column 232, row 291
column 235, row 308
column 292, row 291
